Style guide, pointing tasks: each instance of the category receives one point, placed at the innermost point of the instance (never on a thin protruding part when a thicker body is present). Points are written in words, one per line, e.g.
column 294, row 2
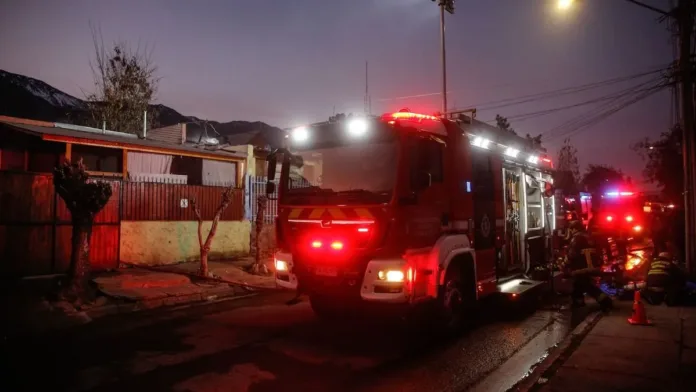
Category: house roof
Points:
column 241, row 139
column 91, row 136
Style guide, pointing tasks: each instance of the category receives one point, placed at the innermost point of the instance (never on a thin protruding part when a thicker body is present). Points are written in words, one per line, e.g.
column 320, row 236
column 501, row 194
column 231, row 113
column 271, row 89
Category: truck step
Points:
column 518, row 287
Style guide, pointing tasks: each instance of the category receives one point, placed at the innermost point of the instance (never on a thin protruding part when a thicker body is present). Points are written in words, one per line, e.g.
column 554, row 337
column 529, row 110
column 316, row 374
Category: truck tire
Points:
column 452, row 303
column 324, row 307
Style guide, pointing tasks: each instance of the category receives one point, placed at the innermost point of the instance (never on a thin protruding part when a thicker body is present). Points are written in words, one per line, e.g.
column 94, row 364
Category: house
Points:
column 148, row 219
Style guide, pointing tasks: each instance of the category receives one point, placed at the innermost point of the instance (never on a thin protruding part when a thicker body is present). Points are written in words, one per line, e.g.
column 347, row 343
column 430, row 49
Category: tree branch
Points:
column 197, row 212
column 226, row 200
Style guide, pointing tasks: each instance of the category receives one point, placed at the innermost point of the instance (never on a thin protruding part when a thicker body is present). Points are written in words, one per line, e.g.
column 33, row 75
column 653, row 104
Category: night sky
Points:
column 287, row 62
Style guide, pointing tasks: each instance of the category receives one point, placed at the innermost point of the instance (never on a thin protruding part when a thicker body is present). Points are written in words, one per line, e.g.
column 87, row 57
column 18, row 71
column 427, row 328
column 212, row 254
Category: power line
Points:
column 585, row 125
column 526, row 116
column 564, row 91
column 610, row 97
column 583, row 116
column 651, row 70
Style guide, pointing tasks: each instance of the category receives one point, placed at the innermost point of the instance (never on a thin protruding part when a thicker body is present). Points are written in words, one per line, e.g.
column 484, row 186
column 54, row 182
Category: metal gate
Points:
column 36, row 228
column 256, row 186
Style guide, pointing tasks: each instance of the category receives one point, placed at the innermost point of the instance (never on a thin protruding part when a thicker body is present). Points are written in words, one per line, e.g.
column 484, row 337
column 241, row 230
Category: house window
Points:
column 100, row 159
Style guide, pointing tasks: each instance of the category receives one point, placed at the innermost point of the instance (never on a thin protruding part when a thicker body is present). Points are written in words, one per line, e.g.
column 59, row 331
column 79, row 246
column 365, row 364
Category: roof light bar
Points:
column 533, row 159
column 413, row 116
column 300, row 134
column 357, row 127
column 511, row 152
column 480, row 142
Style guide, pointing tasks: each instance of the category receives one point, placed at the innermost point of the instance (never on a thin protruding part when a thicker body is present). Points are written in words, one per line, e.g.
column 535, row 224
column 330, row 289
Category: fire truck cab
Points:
column 408, row 208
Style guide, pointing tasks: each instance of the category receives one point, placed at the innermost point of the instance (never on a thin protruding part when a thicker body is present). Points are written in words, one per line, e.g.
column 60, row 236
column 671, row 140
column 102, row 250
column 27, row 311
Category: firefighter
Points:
column 582, row 264
column 664, row 280
column 600, row 239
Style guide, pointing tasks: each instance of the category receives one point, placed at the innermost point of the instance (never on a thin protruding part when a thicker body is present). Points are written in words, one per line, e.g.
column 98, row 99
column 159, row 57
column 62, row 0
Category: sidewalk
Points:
column 128, row 290
column 616, row 356
column 231, row 272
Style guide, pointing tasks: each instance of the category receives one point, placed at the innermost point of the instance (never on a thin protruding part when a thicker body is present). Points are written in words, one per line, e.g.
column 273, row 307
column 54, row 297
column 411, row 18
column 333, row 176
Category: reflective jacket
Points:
column 661, row 273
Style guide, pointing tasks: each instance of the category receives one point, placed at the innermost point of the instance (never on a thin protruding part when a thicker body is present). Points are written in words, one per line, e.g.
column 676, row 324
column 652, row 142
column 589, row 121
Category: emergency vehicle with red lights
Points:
column 621, row 214
column 408, row 208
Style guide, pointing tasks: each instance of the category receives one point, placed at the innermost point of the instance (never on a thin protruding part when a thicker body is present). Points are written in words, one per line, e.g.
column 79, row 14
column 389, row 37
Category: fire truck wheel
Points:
column 452, row 303
column 324, row 307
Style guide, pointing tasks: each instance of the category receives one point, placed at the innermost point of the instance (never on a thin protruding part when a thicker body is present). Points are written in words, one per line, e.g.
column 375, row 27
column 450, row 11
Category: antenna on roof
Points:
column 368, row 99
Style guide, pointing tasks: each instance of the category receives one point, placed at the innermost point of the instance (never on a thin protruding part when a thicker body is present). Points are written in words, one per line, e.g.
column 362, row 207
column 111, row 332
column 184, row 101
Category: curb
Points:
column 556, row 354
column 166, row 302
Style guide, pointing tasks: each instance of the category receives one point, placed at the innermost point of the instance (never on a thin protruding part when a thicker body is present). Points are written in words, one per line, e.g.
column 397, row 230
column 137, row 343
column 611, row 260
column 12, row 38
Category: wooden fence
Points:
column 36, row 229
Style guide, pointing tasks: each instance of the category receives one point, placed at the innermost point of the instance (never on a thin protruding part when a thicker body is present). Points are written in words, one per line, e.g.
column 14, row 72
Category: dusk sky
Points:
column 286, row 62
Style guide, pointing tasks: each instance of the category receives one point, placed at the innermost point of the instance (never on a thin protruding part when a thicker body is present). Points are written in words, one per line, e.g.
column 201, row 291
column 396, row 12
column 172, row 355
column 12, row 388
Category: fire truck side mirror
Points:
column 270, row 188
column 272, row 163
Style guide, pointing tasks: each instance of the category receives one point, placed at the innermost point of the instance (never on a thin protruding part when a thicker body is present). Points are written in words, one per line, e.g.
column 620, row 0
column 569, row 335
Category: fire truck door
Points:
column 425, row 206
column 483, row 189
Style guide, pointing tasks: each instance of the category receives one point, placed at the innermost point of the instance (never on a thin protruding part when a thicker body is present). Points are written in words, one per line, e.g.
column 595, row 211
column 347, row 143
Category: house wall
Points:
column 175, row 134
column 168, row 242
column 22, row 152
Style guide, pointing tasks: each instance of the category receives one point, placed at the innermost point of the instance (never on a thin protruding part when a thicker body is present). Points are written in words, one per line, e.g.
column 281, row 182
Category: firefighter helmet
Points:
column 665, row 256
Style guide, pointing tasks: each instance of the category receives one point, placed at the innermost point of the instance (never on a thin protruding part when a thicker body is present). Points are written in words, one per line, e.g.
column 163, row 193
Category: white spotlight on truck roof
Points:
column 300, row 134
column 533, row 159
column 480, row 142
column 357, row 127
column 511, row 152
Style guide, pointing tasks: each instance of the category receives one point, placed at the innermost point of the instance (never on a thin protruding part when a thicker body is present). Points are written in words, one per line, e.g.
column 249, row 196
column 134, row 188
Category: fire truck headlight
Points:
column 533, row 159
column 300, row 134
column 391, row 275
column 281, row 266
column 357, row 127
column 637, row 229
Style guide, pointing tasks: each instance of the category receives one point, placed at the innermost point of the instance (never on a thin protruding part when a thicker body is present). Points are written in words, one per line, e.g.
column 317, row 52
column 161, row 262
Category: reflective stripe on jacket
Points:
column 659, row 267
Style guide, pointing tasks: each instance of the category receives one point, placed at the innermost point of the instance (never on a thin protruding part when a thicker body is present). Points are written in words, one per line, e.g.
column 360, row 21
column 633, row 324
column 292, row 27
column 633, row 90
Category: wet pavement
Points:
column 261, row 344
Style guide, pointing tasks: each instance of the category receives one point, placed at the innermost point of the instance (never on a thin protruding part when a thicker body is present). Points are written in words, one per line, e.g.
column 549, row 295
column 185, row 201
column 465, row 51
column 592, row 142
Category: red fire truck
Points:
column 408, row 208
column 621, row 214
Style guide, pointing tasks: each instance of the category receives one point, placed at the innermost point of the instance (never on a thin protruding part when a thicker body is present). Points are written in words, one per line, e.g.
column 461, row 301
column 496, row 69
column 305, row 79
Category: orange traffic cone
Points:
column 639, row 316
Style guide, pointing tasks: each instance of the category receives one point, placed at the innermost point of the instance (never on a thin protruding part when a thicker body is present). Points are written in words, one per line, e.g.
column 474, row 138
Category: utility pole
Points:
column 683, row 16
column 685, row 23
column 368, row 99
column 445, row 5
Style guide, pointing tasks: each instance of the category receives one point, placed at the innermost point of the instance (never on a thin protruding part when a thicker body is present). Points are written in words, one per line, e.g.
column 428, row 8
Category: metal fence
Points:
column 152, row 201
column 255, row 187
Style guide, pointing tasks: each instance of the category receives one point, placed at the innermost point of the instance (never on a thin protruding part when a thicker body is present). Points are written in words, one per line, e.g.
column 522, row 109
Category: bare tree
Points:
column 205, row 246
column 259, row 267
column 84, row 200
column 125, row 84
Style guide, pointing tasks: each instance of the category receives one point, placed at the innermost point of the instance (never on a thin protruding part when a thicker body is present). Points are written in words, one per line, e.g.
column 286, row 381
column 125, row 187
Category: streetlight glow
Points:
column 564, row 4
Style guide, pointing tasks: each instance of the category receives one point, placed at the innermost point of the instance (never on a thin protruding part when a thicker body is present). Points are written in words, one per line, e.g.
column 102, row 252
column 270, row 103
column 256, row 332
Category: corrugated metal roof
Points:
column 127, row 142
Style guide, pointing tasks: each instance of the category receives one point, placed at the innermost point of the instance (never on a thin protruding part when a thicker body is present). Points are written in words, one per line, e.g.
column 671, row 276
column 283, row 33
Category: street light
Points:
column 564, row 4
column 445, row 5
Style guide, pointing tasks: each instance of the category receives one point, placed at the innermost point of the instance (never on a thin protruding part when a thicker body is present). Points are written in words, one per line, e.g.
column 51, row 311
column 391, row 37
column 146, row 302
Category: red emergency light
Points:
column 337, row 245
column 412, row 116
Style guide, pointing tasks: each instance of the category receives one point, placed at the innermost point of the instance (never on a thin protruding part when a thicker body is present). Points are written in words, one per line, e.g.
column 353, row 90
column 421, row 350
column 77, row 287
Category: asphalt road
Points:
column 261, row 344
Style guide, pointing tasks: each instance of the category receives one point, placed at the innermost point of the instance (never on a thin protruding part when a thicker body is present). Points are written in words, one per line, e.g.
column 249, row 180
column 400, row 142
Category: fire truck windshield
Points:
column 333, row 169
